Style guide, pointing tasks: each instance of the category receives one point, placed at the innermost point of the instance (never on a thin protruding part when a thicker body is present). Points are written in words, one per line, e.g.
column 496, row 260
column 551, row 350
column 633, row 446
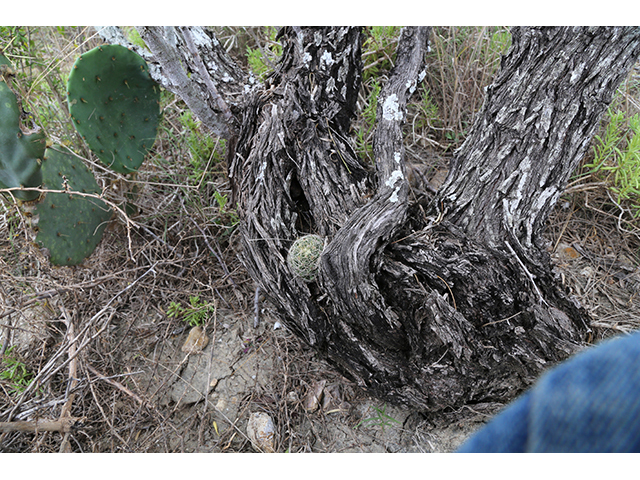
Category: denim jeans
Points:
column 589, row 403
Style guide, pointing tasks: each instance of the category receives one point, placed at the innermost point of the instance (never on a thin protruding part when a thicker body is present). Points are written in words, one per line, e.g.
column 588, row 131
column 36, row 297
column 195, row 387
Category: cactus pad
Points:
column 69, row 225
column 20, row 152
column 304, row 257
column 115, row 106
column 4, row 60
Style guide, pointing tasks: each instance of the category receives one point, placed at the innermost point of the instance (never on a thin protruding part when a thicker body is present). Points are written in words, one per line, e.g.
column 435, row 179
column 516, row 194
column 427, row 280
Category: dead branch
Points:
column 119, row 386
column 64, row 425
column 73, row 377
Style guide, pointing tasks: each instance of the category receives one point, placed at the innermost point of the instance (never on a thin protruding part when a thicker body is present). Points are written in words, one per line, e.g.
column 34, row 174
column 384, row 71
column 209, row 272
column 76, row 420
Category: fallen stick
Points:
column 73, row 375
column 40, row 425
column 119, row 386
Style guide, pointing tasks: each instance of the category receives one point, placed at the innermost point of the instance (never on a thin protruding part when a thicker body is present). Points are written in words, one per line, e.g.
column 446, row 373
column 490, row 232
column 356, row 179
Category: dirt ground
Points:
column 100, row 349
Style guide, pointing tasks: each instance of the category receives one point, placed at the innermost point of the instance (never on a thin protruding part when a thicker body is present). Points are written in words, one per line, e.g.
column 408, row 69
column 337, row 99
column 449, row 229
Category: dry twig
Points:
column 64, row 425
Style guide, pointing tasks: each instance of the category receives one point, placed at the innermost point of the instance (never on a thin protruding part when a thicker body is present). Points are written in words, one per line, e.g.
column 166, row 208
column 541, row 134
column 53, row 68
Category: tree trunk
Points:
column 448, row 300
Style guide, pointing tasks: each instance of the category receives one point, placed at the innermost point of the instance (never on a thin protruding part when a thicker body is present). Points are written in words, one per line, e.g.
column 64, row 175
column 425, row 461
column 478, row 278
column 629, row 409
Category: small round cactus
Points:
column 304, row 257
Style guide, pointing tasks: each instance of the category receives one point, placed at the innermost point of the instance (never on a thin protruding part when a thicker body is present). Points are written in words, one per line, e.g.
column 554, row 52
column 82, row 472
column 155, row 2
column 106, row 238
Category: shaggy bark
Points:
column 436, row 303
column 540, row 115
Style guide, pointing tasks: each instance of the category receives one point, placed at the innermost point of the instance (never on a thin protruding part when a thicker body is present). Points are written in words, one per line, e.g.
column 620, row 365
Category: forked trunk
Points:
column 447, row 300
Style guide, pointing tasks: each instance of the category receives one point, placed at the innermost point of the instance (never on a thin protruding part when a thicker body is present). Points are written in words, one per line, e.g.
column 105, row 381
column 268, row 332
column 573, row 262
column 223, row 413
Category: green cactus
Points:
column 69, row 225
column 21, row 151
column 4, row 60
column 115, row 105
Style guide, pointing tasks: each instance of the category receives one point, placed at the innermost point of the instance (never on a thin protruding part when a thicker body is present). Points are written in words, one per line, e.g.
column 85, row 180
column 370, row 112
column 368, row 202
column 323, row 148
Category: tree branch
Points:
column 222, row 105
column 346, row 262
column 190, row 62
column 536, row 125
column 65, row 425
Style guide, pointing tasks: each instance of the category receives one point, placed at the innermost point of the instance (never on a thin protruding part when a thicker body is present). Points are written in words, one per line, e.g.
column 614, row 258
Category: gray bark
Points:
column 538, row 119
column 431, row 303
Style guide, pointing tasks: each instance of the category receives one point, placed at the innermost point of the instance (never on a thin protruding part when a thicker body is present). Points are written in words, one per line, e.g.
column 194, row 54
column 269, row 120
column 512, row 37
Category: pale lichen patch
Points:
column 326, row 59
column 391, row 181
column 260, row 176
column 306, row 59
column 394, row 196
column 390, row 108
column 395, row 176
column 200, row 38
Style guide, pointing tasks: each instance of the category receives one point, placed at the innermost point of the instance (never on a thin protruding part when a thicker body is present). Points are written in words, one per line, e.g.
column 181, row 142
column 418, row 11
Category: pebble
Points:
column 196, row 341
column 262, row 432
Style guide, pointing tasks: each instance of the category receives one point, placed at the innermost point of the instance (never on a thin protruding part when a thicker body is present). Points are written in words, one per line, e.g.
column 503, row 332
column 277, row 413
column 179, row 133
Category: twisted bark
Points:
column 451, row 299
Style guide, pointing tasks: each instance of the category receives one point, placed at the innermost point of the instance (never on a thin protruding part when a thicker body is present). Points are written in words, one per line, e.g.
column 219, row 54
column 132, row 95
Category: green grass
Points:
column 195, row 314
column 14, row 373
column 378, row 51
column 263, row 57
column 379, row 419
column 364, row 131
column 228, row 216
column 617, row 157
column 205, row 151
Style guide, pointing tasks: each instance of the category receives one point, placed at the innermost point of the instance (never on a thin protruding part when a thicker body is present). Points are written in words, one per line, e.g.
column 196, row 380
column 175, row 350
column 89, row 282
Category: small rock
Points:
column 222, row 404
column 197, row 378
column 262, row 432
column 196, row 341
column 314, row 396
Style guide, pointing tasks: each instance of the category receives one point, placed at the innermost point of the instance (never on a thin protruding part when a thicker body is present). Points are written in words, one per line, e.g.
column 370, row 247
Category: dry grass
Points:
column 114, row 306
column 460, row 65
column 81, row 326
column 596, row 243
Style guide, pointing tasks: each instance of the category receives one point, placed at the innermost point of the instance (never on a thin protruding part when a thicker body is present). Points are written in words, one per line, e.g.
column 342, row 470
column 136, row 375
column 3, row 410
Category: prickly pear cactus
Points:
column 3, row 59
column 69, row 225
column 115, row 106
column 21, row 151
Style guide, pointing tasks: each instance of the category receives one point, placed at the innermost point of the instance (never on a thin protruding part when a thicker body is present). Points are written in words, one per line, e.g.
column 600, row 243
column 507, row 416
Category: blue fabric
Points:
column 590, row 403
